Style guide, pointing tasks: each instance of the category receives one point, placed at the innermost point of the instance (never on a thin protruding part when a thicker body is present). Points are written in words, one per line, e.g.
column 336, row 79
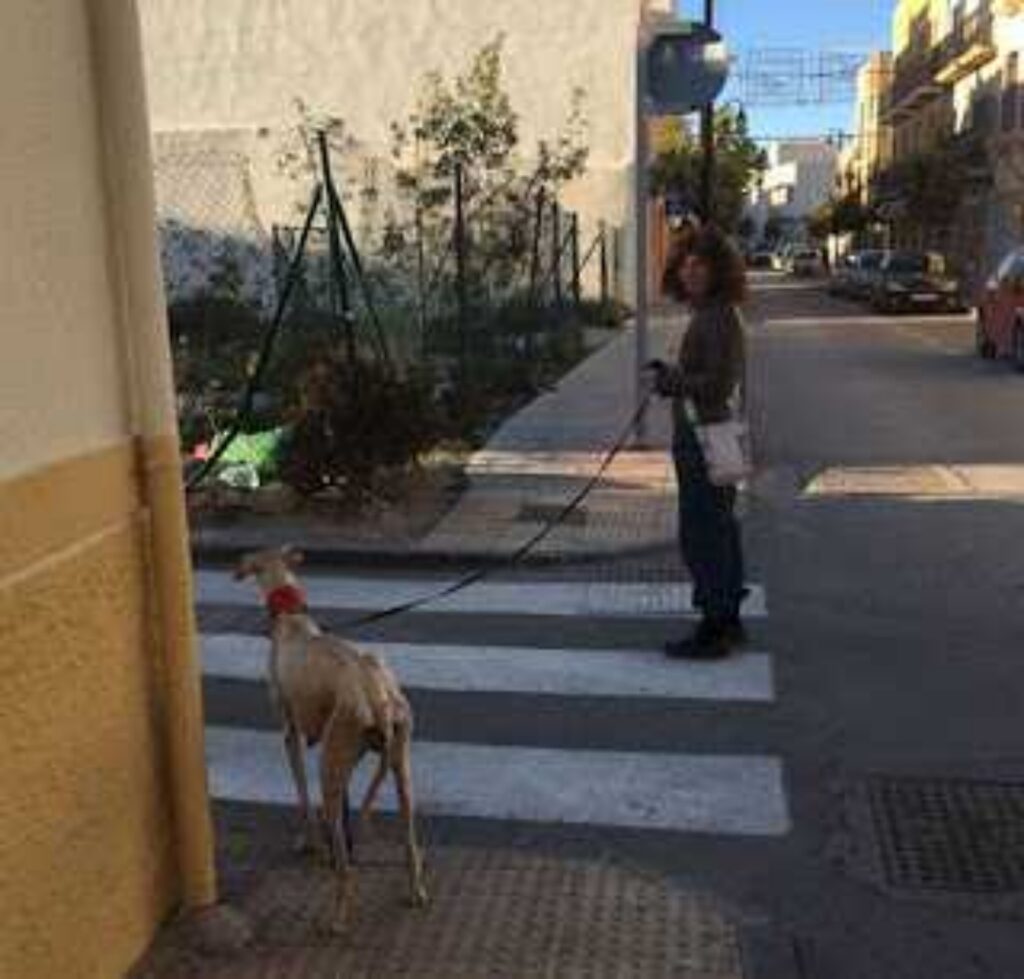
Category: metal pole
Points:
column 576, row 291
column 707, row 133
column 421, row 279
column 641, row 155
column 341, row 304
column 604, row 264
column 556, row 251
column 460, row 264
column 538, row 228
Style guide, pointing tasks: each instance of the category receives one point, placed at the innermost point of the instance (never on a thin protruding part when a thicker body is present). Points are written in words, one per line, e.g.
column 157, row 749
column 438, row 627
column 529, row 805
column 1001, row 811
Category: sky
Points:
column 844, row 26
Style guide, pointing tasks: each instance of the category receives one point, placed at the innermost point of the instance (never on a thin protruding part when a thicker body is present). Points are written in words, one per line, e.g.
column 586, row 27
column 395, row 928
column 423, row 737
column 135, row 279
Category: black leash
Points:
column 472, row 577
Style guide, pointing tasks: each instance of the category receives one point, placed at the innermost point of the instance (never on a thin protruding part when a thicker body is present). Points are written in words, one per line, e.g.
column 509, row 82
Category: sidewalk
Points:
column 494, row 914
column 521, row 479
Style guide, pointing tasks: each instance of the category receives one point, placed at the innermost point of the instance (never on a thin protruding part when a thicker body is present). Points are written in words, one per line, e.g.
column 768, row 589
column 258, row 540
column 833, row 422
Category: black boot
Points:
column 709, row 641
column 735, row 631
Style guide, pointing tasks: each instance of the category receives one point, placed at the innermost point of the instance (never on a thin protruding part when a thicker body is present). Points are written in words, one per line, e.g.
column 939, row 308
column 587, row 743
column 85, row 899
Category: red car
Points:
column 1000, row 326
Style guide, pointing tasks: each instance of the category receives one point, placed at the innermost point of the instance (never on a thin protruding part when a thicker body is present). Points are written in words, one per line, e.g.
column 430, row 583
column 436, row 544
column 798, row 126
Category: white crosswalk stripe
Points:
column 728, row 794
column 513, row 669
column 540, row 598
column 721, row 794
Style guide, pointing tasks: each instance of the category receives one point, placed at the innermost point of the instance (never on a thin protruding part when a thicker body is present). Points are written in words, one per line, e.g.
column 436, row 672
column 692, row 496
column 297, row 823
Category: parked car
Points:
column 785, row 255
column 915, row 281
column 763, row 260
column 1000, row 316
column 806, row 262
column 841, row 282
column 865, row 275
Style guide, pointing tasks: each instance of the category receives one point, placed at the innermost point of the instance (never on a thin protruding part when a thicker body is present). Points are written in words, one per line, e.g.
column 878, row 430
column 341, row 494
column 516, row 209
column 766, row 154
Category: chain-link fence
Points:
column 476, row 304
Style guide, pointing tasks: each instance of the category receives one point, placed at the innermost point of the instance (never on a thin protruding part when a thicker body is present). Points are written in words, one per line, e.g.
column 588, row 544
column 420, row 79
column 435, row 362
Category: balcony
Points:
column 968, row 46
column 914, row 84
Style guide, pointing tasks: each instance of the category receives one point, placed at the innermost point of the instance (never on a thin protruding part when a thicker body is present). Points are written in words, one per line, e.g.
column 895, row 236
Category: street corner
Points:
column 491, row 913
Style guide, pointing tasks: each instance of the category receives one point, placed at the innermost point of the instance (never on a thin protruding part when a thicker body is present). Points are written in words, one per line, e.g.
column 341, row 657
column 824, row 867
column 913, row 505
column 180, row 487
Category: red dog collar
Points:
column 286, row 600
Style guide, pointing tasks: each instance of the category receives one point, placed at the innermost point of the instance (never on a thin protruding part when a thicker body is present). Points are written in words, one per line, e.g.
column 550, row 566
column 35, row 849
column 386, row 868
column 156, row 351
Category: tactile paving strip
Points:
column 493, row 915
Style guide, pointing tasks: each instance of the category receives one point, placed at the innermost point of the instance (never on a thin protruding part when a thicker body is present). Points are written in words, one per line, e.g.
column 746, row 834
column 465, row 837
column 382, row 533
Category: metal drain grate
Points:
column 950, row 835
column 547, row 512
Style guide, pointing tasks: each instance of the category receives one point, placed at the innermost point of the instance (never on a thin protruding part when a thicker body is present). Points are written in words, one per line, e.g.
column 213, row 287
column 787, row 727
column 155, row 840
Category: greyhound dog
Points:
column 327, row 692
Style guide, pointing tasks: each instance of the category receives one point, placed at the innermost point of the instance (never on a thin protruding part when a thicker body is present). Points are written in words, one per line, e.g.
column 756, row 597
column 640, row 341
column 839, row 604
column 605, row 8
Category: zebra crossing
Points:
column 622, row 786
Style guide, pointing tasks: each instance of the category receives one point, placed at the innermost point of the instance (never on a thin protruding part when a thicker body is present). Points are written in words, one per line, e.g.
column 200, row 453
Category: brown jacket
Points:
column 712, row 364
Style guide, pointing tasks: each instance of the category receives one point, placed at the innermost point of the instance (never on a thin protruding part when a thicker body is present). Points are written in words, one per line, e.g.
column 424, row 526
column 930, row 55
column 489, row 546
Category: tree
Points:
column 739, row 161
column 931, row 186
column 849, row 215
column 469, row 124
column 821, row 221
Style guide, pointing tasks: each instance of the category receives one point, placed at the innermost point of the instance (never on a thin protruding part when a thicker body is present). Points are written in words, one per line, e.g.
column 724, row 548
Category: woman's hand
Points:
column 660, row 373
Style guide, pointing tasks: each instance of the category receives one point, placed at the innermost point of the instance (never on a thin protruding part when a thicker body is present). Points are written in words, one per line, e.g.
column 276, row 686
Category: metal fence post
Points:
column 460, row 264
column 604, row 263
column 575, row 240
column 341, row 303
column 535, row 260
column 556, row 251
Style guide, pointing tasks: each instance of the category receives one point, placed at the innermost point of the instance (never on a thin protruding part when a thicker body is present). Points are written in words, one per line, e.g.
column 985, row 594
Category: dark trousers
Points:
column 709, row 534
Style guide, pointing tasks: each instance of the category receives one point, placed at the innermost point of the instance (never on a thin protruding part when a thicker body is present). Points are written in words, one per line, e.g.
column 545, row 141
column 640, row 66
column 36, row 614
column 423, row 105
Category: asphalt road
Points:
column 893, row 650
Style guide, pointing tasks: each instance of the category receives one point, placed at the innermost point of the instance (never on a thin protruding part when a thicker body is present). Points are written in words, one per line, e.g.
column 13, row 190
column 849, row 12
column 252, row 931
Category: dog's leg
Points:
column 309, row 840
column 403, row 782
column 342, row 748
column 366, row 812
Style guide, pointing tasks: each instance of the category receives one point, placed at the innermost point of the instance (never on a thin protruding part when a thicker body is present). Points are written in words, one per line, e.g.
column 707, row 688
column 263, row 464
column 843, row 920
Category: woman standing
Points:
column 711, row 368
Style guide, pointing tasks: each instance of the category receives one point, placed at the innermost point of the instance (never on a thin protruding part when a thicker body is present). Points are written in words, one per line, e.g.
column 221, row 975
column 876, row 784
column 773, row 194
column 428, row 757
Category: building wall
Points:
column 989, row 103
column 90, row 783
column 801, row 176
column 222, row 72
column 917, row 26
column 873, row 135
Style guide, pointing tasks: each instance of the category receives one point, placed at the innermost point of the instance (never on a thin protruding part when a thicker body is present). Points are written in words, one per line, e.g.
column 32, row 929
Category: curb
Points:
column 213, row 555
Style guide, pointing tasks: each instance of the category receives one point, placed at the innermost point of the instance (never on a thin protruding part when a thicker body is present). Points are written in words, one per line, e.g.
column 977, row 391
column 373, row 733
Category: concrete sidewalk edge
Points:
column 381, row 557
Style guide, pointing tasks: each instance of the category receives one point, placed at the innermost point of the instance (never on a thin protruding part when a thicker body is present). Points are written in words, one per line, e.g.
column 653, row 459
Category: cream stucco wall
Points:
column 61, row 386
column 219, row 72
column 240, row 63
column 104, row 819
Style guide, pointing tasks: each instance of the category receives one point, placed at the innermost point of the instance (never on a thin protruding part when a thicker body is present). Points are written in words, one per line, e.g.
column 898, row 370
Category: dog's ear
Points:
column 245, row 568
column 292, row 556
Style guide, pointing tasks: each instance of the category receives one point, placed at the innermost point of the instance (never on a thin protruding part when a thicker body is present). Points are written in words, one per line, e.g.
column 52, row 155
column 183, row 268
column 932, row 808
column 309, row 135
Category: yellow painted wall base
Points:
column 86, row 838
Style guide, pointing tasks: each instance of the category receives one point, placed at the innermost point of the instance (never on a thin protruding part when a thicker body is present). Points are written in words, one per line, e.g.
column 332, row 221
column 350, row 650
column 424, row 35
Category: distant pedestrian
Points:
column 703, row 386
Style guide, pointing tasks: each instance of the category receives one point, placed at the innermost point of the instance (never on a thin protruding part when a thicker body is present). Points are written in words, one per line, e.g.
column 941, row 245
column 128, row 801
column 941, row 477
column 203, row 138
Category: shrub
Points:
column 357, row 424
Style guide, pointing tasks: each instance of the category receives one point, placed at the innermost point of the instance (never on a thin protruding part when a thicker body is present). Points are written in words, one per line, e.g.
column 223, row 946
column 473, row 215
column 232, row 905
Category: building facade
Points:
column 983, row 62
column 954, row 108
column 224, row 78
column 104, row 821
column 800, row 178
column 870, row 151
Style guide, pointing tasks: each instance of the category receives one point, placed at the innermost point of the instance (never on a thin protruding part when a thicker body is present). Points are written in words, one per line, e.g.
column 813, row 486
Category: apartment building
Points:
column 870, row 150
column 954, row 109
column 800, row 177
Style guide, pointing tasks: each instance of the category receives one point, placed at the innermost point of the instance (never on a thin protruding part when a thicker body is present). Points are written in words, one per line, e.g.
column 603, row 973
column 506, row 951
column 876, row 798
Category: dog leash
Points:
column 472, row 577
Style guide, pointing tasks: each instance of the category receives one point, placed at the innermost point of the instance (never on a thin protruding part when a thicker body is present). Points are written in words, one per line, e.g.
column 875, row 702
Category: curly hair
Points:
column 728, row 273
column 680, row 245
